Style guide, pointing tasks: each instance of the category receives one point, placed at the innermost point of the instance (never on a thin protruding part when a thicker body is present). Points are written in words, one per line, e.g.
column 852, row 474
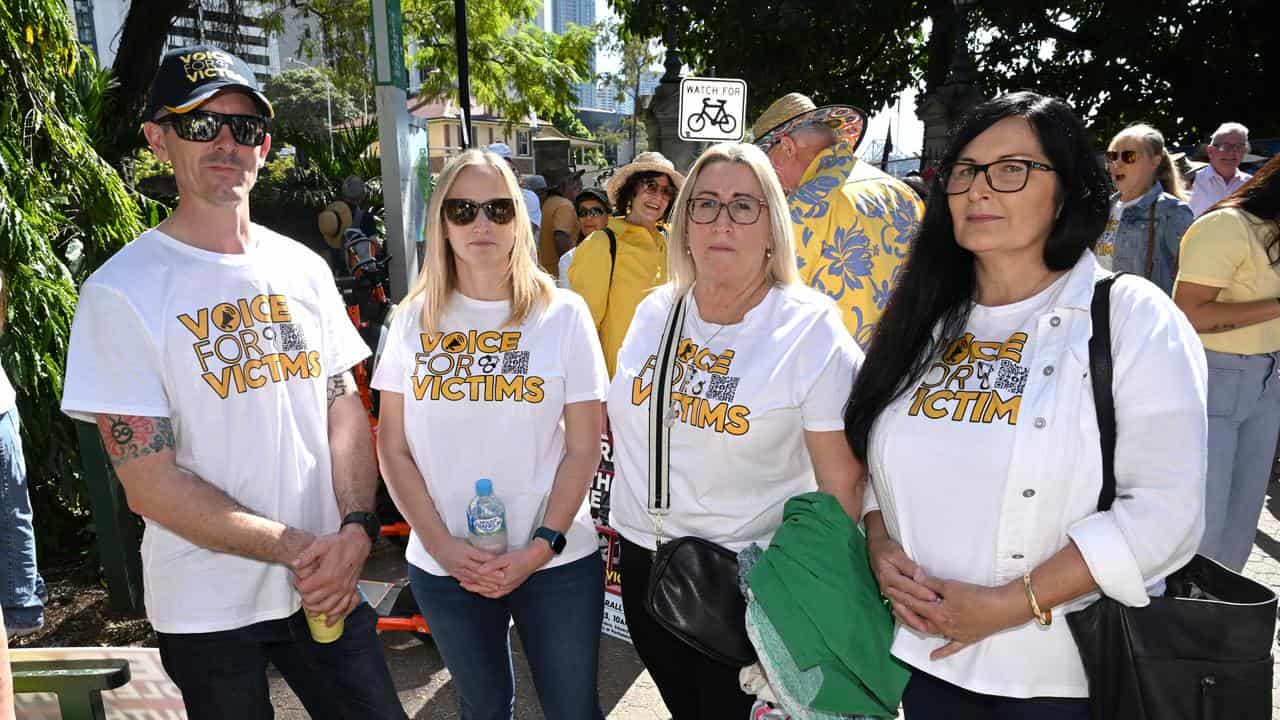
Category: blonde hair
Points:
column 1152, row 140
column 438, row 278
column 781, row 269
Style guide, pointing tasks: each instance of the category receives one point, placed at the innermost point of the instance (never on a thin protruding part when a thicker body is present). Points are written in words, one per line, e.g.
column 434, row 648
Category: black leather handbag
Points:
column 693, row 583
column 1203, row 650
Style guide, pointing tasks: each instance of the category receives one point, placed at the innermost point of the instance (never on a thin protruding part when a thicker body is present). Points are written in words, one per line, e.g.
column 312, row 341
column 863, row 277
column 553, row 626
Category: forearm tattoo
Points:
column 340, row 385
column 131, row 436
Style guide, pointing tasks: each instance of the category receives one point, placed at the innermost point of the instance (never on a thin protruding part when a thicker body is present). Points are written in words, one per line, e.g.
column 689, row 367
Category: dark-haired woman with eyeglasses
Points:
column 593, row 209
column 1149, row 212
column 1229, row 286
column 489, row 371
column 614, row 274
column 975, row 416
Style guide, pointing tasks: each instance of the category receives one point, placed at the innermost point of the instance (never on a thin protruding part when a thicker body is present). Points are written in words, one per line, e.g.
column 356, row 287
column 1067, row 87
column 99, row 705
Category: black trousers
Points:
column 693, row 686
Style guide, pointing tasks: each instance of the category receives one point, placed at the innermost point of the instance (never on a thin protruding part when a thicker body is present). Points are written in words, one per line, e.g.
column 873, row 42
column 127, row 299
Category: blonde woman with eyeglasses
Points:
column 490, row 372
column 759, row 385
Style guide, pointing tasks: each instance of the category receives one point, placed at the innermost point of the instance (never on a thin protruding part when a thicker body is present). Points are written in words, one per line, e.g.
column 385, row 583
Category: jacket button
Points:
column 1048, row 371
column 1040, row 423
column 1017, row 556
column 1055, row 321
column 1028, row 493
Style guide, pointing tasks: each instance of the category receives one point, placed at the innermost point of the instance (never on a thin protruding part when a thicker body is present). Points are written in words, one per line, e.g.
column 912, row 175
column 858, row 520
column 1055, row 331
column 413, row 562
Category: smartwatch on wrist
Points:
column 367, row 522
column 554, row 539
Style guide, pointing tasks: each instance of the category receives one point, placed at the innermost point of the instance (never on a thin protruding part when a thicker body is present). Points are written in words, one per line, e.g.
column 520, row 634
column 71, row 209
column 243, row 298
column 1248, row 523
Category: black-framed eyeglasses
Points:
column 204, row 125
column 584, row 212
column 1128, row 157
column 460, row 211
column 743, row 209
column 651, row 185
column 1004, row 176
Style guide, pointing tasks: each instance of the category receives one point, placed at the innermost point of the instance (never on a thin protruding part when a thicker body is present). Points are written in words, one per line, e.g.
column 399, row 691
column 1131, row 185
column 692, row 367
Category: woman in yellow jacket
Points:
column 614, row 268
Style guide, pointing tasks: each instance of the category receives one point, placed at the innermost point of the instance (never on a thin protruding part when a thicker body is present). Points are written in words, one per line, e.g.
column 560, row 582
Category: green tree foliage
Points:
column 302, row 104
column 63, row 211
column 637, row 56
column 516, row 68
column 1184, row 67
column 864, row 53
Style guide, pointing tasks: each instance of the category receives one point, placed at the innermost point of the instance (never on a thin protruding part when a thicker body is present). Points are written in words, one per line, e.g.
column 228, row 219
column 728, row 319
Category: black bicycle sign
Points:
column 711, row 109
column 712, row 112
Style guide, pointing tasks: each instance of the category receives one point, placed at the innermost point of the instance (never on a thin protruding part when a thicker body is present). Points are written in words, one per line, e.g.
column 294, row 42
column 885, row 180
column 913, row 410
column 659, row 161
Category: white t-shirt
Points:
column 486, row 401
column 1106, row 248
column 565, row 261
column 236, row 350
column 746, row 394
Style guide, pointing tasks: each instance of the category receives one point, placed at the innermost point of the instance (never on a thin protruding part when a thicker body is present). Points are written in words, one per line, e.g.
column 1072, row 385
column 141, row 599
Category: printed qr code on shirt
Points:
column 1012, row 377
column 722, row 388
column 291, row 337
column 515, row 362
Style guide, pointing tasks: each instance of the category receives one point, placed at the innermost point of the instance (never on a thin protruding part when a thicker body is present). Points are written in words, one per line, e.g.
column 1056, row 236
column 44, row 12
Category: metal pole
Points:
column 464, row 70
column 328, row 92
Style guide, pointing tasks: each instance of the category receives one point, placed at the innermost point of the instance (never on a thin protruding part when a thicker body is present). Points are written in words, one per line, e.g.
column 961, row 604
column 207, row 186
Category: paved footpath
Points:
column 626, row 690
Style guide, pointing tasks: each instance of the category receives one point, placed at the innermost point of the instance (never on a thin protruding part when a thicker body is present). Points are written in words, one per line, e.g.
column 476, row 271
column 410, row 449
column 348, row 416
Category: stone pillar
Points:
column 662, row 118
column 942, row 107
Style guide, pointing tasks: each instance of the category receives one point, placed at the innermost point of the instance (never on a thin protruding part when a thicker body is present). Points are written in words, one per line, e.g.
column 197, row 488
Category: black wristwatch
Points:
column 366, row 520
column 554, row 539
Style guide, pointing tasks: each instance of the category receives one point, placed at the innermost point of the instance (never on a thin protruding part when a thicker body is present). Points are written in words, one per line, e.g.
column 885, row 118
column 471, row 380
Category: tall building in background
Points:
column 234, row 26
column 577, row 12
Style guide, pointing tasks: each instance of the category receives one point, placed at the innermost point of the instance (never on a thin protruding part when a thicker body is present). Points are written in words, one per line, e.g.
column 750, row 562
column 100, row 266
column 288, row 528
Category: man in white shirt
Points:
column 214, row 356
column 1228, row 147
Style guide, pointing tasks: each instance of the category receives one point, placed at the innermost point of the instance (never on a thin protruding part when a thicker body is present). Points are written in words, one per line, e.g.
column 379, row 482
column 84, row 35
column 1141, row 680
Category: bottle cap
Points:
column 484, row 486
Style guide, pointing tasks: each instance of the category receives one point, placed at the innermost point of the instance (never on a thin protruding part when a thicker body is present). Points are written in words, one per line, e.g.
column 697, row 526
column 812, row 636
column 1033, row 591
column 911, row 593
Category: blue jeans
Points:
column 21, row 586
column 557, row 612
column 929, row 698
column 224, row 674
column 1244, row 422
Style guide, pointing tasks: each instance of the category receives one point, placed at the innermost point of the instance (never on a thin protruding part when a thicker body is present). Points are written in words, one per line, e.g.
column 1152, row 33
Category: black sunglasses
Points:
column 591, row 212
column 500, row 211
column 204, row 125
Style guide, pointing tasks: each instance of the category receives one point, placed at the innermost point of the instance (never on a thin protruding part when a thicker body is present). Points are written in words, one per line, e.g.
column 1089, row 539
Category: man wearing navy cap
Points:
column 214, row 356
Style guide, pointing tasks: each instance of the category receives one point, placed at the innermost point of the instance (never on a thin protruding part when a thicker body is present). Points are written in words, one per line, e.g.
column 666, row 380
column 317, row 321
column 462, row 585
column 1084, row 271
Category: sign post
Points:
column 393, row 141
column 712, row 109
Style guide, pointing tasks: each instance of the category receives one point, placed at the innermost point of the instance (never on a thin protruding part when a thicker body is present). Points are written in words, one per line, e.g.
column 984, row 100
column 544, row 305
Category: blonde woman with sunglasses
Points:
column 1149, row 212
column 492, row 372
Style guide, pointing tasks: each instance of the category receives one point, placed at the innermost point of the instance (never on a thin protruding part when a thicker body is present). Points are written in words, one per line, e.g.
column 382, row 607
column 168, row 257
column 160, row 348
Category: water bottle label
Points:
column 487, row 526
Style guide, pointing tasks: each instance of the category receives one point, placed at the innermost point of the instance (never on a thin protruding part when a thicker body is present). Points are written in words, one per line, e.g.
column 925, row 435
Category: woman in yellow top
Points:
column 614, row 274
column 1229, row 287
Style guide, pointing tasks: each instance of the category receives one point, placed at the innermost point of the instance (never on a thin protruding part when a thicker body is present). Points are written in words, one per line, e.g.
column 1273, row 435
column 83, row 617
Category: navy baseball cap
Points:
column 190, row 76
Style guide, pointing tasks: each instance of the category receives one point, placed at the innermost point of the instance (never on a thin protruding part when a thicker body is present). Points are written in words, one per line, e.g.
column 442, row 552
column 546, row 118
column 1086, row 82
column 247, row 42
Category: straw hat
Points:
column 644, row 162
column 794, row 110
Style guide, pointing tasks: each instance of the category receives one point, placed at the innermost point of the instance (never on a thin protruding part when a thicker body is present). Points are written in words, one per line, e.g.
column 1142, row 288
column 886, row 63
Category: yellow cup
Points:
column 320, row 632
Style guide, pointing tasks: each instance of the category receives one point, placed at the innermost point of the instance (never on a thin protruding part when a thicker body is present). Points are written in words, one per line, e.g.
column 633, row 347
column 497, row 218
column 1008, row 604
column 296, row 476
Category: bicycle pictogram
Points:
column 712, row 112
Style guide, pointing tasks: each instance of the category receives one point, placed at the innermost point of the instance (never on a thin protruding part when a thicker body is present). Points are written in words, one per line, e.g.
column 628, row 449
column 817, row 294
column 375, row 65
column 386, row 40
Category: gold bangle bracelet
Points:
column 1044, row 617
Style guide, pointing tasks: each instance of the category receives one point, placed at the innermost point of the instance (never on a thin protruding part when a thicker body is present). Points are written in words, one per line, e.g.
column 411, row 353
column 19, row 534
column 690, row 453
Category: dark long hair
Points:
column 938, row 281
column 1261, row 197
column 627, row 193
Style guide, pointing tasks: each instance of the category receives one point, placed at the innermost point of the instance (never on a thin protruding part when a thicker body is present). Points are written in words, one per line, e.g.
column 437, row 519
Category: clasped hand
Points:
column 326, row 573
column 487, row 574
column 960, row 612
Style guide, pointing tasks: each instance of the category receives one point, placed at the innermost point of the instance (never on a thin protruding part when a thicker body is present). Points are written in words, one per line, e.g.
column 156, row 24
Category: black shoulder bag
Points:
column 693, row 584
column 1203, row 650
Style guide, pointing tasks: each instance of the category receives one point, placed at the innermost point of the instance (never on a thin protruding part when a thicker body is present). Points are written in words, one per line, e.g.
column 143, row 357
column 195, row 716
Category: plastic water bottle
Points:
column 487, row 519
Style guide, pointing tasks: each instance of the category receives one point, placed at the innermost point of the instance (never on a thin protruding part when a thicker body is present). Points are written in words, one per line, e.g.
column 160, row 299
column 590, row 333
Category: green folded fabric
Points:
column 815, row 585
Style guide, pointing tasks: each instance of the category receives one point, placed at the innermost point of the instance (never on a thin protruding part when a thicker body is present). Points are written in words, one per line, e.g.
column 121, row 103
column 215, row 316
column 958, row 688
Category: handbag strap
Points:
column 1100, row 372
column 659, row 406
column 1151, row 240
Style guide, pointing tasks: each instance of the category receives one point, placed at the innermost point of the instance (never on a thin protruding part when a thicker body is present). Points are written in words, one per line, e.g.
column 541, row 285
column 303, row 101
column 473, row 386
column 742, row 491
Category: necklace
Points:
column 691, row 372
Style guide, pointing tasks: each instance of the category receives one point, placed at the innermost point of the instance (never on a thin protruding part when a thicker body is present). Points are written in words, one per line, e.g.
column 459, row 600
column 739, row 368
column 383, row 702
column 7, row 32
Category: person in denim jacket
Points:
column 1149, row 190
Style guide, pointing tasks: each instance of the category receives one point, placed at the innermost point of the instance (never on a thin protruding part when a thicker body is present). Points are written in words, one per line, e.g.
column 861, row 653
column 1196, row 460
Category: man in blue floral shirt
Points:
column 853, row 223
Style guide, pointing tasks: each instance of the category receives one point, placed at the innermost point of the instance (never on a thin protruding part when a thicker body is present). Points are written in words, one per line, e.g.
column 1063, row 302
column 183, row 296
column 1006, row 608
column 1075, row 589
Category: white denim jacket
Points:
column 1055, row 475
